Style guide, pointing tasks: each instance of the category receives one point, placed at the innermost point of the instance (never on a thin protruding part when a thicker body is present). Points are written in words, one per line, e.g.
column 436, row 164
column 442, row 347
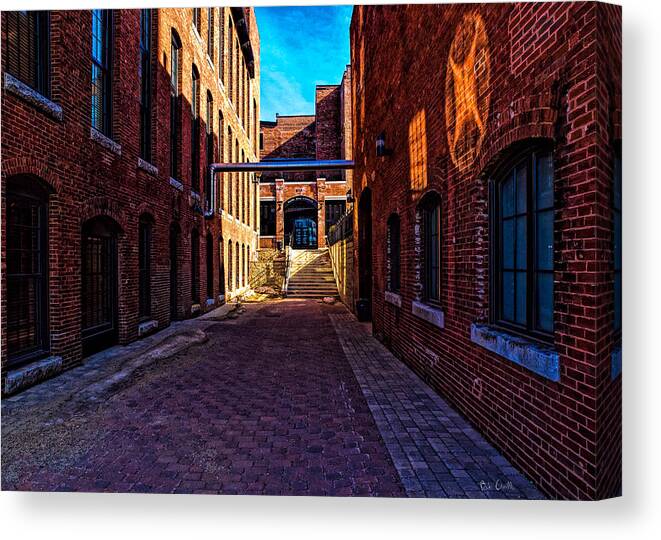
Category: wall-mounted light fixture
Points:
column 349, row 196
column 381, row 150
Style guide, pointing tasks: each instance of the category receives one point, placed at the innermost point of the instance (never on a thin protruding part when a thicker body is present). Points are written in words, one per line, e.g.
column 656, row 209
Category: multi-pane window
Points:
column 209, row 257
column 229, row 177
column 524, row 246
column 145, row 83
column 210, row 33
column 334, row 211
column 144, row 267
column 27, row 272
column 617, row 246
column 267, row 218
column 230, row 267
column 195, row 130
column 175, row 50
column 101, row 70
column 430, row 213
column 195, row 266
column 221, row 51
column 393, row 254
column 27, row 47
column 208, row 188
column 197, row 19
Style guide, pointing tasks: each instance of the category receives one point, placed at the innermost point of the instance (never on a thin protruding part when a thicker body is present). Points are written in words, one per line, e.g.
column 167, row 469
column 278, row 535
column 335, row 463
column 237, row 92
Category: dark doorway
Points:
column 301, row 223
column 174, row 281
column 99, row 284
column 365, row 248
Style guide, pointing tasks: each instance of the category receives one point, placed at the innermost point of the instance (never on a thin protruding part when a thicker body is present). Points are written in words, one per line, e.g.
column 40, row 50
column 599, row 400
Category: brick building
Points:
column 303, row 205
column 111, row 226
column 488, row 180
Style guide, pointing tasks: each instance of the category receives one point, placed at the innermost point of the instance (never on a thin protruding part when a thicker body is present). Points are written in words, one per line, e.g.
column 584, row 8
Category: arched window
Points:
column 431, row 243
column 617, row 236
column 209, row 255
column 244, row 265
column 144, row 265
column 175, row 124
column 145, row 83
column 195, row 129
column 237, row 263
column 228, row 178
column 27, row 42
column 393, row 254
column 195, row 266
column 230, row 267
column 522, row 291
column 247, row 265
column 26, row 270
column 102, row 45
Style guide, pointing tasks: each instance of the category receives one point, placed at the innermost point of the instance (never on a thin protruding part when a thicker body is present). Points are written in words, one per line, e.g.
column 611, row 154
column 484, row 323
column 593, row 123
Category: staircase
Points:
column 311, row 274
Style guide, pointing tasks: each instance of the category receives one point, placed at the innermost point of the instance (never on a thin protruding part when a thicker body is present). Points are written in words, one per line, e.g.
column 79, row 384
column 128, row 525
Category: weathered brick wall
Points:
column 89, row 179
column 329, row 133
column 553, row 75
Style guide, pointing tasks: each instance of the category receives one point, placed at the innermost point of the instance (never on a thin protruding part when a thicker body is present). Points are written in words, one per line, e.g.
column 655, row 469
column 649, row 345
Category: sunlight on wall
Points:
column 467, row 90
column 418, row 151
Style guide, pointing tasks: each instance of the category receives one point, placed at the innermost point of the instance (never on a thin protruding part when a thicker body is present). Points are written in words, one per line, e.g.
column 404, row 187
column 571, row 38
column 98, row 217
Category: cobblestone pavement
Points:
column 272, row 402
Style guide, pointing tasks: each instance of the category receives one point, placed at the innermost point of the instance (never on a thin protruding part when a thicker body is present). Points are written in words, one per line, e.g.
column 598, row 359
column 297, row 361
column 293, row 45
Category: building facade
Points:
column 300, row 207
column 487, row 142
column 112, row 227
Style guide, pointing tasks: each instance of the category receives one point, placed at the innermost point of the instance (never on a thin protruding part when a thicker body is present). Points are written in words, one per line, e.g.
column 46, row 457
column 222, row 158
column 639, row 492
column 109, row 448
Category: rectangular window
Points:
column 175, row 48
column 524, row 249
column 267, row 218
column 195, row 132
column 334, row 211
column 27, row 43
column 210, row 34
column 195, row 266
column 208, row 188
column 617, row 237
column 221, row 50
column 101, row 70
column 432, row 253
column 393, row 254
column 145, row 84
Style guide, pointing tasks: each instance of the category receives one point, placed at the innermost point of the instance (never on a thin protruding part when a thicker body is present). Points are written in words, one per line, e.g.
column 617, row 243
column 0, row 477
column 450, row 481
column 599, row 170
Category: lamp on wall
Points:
column 381, row 150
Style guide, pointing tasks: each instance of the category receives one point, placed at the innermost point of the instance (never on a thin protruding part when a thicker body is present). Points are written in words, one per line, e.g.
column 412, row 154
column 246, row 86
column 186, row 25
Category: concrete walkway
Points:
column 292, row 397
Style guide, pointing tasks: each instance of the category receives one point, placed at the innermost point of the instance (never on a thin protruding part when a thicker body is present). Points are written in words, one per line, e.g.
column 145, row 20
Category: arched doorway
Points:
column 99, row 284
column 300, row 215
column 174, row 275
column 365, row 251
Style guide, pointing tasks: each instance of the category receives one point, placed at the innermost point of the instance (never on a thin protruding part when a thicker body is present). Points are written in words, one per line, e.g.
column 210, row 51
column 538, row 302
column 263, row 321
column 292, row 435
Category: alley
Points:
column 288, row 397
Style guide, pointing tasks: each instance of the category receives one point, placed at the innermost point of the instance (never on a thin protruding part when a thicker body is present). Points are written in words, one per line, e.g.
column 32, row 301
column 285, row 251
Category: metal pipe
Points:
column 284, row 165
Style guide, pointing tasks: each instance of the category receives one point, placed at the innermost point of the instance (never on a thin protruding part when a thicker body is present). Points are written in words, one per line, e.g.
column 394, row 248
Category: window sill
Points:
column 106, row 142
column 146, row 327
column 176, row 184
column 32, row 373
column 428, row 313
column 536, row 357
column 616, row 363
column 393, row 298
column 148, row 167
column 34, row 98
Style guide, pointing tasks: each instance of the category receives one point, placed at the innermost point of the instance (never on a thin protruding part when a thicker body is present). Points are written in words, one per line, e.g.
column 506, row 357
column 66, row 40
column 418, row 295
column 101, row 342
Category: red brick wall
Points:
column 90, row 180
column 553, row 75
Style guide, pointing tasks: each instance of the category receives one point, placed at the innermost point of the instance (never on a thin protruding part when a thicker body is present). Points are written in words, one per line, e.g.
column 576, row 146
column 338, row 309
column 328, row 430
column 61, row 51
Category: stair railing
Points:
column 288, row 261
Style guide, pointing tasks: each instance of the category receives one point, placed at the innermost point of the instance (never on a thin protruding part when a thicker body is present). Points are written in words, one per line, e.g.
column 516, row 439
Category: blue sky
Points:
column 301, row 46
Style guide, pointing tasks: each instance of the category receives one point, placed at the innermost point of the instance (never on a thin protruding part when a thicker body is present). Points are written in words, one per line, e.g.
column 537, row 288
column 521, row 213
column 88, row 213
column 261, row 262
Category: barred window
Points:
column 145, row 83
column 195, row 266
column 144, row 266
column 430, row 213
column 27, row 43
column 523, row 287
column 393, row 253
column 101, row 70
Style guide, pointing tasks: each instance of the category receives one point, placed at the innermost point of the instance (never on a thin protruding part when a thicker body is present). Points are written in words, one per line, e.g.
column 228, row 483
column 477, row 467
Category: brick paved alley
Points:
column 266, row 402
